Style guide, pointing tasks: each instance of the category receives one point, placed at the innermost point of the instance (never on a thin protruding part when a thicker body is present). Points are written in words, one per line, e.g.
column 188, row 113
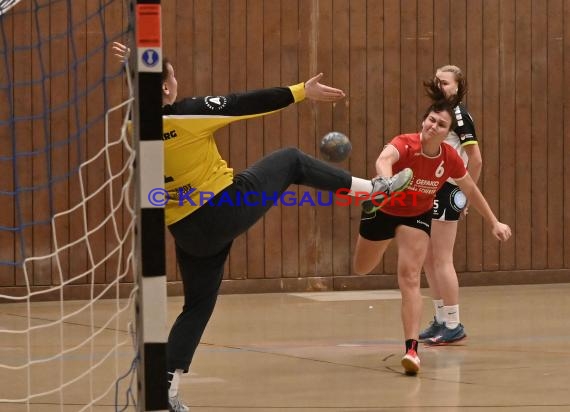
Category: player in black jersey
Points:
column 449, row 205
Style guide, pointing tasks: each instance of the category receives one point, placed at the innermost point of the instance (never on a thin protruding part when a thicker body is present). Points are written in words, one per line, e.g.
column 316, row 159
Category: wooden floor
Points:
column 340, row 351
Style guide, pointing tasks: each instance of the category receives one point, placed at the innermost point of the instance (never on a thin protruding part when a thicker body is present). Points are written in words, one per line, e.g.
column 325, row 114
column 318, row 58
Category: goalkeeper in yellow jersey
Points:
column 209, row 206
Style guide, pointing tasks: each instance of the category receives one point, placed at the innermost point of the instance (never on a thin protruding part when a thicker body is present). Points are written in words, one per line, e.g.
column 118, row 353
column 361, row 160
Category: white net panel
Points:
column 66, row 193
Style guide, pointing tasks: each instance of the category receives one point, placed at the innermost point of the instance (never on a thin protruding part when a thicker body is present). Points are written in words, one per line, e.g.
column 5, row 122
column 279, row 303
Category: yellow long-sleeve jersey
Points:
column 194, row 169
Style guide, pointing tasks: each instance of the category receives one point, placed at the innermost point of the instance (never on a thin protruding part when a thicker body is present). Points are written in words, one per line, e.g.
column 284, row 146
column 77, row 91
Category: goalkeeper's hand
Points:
column 121, row 51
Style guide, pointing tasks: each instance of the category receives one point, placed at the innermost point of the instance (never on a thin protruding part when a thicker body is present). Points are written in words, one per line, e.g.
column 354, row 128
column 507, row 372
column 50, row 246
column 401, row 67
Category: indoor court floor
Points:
column 340, row 351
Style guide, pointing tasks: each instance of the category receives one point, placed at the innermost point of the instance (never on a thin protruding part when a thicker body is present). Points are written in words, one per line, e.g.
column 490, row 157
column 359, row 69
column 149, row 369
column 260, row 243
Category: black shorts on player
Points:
column 449, row 203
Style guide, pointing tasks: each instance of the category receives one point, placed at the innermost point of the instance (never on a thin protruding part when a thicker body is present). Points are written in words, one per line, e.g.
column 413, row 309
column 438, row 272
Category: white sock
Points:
column 173, row 390
column 439, row 311
column 360, row 185
column 452, row 316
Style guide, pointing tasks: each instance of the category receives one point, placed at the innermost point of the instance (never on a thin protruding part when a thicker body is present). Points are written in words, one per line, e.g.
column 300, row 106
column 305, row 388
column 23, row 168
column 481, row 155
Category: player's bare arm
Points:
column 387, row 158
column 500, row 230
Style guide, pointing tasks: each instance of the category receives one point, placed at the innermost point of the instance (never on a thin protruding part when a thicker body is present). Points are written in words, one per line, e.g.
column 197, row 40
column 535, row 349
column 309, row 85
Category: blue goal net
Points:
column 66, row 191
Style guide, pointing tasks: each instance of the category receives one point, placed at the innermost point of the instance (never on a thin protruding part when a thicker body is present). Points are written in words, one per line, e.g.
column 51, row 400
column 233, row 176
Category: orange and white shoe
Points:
column 411, row 362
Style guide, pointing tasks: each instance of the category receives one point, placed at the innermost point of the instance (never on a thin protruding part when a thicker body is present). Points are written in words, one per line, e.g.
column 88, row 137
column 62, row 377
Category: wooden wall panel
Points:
column 522, row 232
column 565, row 187
column 490, row 124
column 95, row 171
column 308, row 64
column 442, row 21
column 507, row 128
column 7, row 218
column 22, row 72
column 113, row 15
column 329, row 17
column 457, row 31
column 40, row 211
column 238, row 145
column 353, row 122
column 474, row 241
column 429, row 45
column 539, row 128
column 254, row 139
column 456, row 37
column 408, row 82
column 552, row 137
column 290, row 136
column 220, row 69
column 515, row 57
column 272, row 135
column 78, row 118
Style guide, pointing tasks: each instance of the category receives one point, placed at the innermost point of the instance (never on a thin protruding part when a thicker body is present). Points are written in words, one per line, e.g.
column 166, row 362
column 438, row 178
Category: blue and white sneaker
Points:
column 431, row 331
column 445, row 336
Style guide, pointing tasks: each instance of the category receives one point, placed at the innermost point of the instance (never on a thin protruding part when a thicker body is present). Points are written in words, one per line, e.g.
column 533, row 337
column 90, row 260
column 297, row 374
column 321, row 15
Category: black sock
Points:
column 411, row 344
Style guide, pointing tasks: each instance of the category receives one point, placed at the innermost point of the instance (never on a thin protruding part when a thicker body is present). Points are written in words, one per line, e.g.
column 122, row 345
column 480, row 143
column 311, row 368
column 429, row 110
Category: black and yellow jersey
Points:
column 463, row 134
column 194, row 170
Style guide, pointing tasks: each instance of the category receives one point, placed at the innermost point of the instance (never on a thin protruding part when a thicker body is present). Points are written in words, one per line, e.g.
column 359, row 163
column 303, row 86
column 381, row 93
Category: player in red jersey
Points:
column 432, row 163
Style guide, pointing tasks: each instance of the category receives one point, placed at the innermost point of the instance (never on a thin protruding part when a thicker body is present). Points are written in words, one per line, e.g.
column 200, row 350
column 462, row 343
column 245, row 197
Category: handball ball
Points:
column 335, row 147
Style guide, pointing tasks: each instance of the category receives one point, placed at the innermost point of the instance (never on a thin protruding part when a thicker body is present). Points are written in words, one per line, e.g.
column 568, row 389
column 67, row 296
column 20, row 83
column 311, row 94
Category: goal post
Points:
column 151, row 299
column 82, row 254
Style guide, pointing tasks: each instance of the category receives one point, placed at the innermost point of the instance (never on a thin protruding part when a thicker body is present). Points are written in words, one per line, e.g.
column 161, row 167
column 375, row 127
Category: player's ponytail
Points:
column 437, row 95
column 440, row 102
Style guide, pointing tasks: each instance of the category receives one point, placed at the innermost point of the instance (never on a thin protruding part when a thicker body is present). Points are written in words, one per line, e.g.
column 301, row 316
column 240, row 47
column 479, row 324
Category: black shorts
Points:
column 449, row 202
column 381, row 226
